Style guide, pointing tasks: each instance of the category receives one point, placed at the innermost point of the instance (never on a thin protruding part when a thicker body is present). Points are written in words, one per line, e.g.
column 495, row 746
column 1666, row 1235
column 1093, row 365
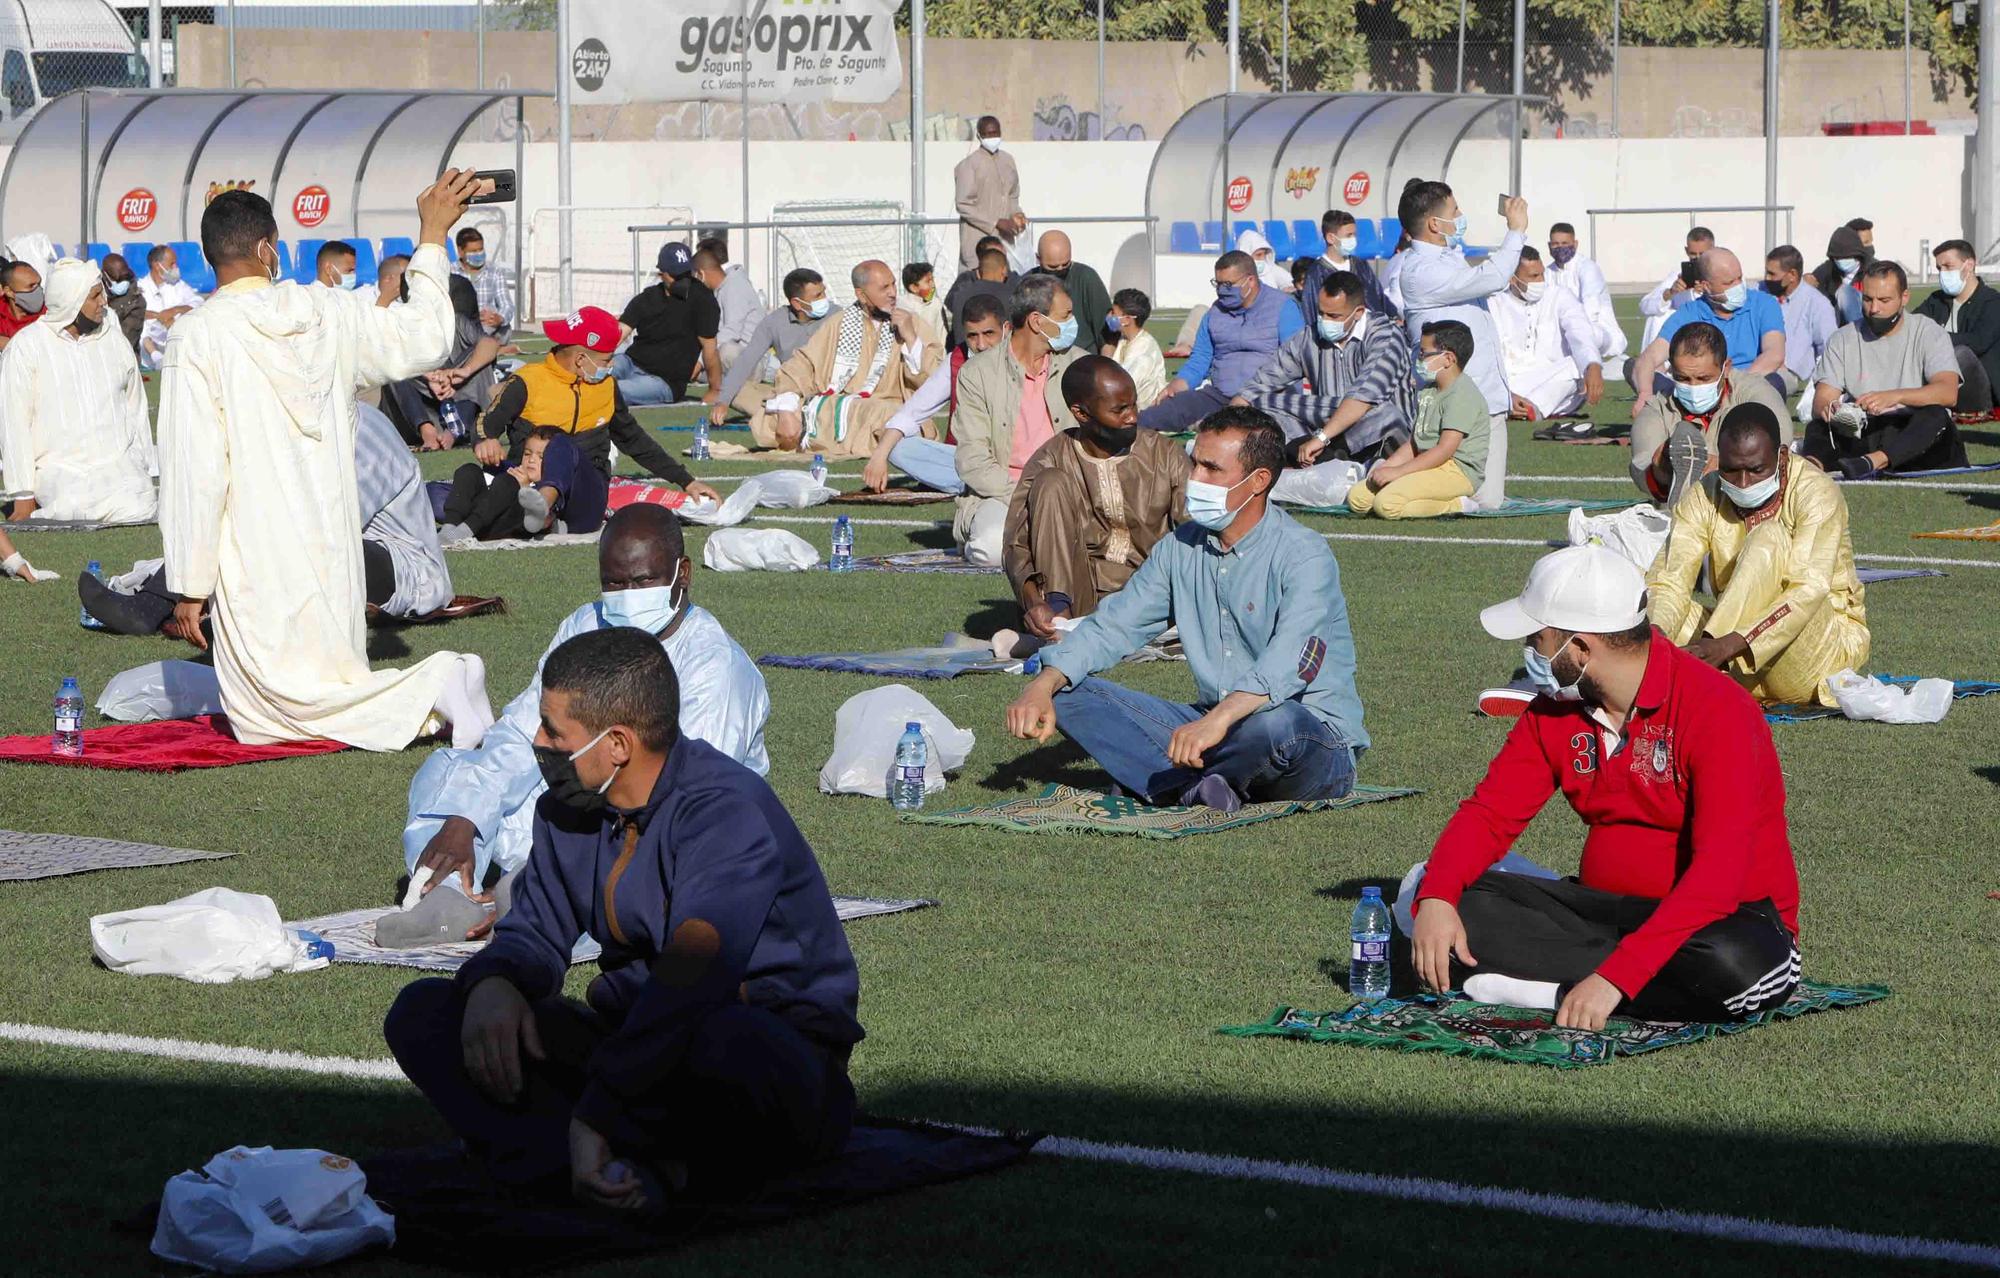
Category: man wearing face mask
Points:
column 573, row 391
column 1010, row 403
column 1686, row 906
column 1337, row 228
column 1885, row 388
column 472, row 812
column 74, row 434
column 1085, row 287
column 24, row 299
column 672, row 326
column 839, row 390
column 780, row 333
column 1569, row 271
column 1674, row 438
column 496, row 293
column 1256, row 597
column 986, row 187
column 1340, row 389
column 713, row 1053
column 1548, row 346
column 1237, row 337
column 167, row 297
column 1438, row 284
column 1771, row 529
column 1809, row 320
column 335, row 266
column 123, row 294
column 903, row 444
column 1838, row 278
column 1440, row 466
column 1752, row 327
column 1092, row 503
column 1969, row 314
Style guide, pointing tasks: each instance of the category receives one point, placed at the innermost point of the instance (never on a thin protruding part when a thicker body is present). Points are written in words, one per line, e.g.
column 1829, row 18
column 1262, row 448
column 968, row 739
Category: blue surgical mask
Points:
column 474, row 260
column 1752, row 498
column 1065, row 335
column 1698, row 399
column 1348, row 244
column 1208, row 504
column 1732, row 298
column 1228, row 297
column 1332, row 330
column 1455, row 237
column 1112, row 328
column 118, row 288
column 819, row 308
column 596, row 373
column 349, row 280
column 1426, row 375
column 1951, row 283
column 1542, row 672
column 1847, row 265
column 650, row 609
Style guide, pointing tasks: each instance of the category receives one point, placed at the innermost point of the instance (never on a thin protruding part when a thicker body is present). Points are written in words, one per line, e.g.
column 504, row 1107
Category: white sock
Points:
column 1511, row 991
column 463, row 703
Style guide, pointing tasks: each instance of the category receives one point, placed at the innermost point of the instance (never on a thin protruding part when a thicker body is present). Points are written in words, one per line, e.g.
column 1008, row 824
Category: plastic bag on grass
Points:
column 264, row 1210
column 749, row 549
column 1860, row 697
column 788, row 490
column 211, row 938
column 1323, row 485
column 161, row 690
column 866, row 729
column 1639, row 533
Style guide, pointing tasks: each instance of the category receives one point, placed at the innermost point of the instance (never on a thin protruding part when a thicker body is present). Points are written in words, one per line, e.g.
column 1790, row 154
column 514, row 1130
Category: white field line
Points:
column 1421, row 1189
column 1942, row 484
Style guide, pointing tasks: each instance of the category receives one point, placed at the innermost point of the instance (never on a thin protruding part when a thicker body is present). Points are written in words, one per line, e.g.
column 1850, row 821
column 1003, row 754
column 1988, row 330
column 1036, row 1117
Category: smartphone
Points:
column 1690, row 272
column 1503, row 204
column 497, row 187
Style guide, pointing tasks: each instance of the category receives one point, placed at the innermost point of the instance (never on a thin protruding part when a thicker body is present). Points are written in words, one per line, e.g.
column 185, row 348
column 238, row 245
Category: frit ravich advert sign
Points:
column 311, row 205
column 1237, row 196
column 137, row 208
column 781, row 50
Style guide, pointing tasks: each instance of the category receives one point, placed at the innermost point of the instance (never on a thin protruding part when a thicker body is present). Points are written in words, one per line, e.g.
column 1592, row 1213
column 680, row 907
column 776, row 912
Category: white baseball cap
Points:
column 1581, row 589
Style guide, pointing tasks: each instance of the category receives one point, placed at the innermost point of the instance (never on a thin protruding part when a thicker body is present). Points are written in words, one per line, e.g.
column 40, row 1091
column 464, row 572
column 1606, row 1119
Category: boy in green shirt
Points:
column 1439, row 468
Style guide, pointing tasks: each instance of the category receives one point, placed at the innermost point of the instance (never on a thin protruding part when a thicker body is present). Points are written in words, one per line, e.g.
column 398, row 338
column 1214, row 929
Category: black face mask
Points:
column 1880, row 325
column 565, row 786
column 85, row 327
column 1060, row 272
column 1111, row 439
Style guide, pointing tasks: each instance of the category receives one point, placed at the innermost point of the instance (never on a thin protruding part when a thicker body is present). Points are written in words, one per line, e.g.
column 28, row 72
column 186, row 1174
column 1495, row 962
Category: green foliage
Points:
column 522, row 15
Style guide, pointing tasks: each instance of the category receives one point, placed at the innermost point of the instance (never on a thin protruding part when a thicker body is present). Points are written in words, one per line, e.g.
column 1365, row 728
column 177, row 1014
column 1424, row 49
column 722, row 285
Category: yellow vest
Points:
column 558, row 398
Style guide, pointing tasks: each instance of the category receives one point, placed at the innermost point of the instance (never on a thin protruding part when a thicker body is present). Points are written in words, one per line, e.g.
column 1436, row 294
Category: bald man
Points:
column 838, row 391
column 1086, row 289
column 1752, row 326
column 1092, row 502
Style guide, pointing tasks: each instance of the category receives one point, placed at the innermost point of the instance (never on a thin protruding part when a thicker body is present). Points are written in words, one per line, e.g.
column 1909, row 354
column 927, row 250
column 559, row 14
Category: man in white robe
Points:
column 1574, row 273
column 473, row 811
column 258, row 502
column 74, row 435
column 1548, row 350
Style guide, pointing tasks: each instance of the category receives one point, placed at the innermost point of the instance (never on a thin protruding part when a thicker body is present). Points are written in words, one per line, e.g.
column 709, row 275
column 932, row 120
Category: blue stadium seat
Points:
column 284, row 260
column 1392, row 231
column 135, row 255
column 392, row 245
column 97, row 252
column 1280, row 236
column 364, row 260
column 1181, row 238
column 194, row 267
column 305, row 260
column 1306, row 239
column 1239, row 226
column 1368, row 240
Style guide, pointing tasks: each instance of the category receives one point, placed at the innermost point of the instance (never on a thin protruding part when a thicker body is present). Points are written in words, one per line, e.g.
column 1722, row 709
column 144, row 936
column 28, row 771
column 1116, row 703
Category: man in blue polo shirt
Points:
column 1753, row 329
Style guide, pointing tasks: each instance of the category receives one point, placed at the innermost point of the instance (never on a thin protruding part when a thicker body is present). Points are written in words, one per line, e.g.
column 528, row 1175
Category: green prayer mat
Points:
column 1456, row 1026
column 1511, row 508
column 1064, row 808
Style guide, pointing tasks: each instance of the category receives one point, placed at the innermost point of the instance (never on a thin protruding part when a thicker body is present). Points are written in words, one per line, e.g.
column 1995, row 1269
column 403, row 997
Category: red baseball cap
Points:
column 592, row 328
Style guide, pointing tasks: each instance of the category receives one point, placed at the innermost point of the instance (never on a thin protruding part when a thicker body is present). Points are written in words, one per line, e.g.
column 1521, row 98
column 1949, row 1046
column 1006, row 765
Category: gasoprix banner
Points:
column 786, row 50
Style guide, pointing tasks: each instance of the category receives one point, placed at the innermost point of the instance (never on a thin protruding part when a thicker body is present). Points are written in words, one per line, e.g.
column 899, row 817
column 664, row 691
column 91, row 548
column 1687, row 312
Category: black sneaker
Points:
column 1566, row 432
column 1853, row 468
column 1687, row 460
column 137, row 614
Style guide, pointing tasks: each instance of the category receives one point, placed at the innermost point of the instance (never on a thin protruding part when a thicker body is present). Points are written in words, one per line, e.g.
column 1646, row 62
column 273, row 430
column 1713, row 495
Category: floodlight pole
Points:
column 232, row 45
column 1235, row 40
column 912, row 244
column 565, row 222
column 1771, row 123
column 1520, row 93
column 153, row 39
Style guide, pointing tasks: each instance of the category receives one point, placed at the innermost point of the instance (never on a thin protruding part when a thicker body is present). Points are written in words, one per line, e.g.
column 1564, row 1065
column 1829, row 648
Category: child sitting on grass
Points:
column 494, row 503
column 1136, row 350
column 1439, row 468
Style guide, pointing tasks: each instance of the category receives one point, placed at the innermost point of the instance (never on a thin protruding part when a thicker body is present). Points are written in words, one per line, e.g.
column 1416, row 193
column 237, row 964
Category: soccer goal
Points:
column 805, row 240
column 601, row 256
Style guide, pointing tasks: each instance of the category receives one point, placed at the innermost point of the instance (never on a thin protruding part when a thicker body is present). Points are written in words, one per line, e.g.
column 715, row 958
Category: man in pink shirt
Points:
column 1010, row 403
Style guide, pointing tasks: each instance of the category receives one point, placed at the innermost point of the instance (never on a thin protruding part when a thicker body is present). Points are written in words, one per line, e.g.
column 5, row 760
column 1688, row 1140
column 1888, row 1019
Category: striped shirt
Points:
column 1373, row 366
column 496, row 294
column 396, row 515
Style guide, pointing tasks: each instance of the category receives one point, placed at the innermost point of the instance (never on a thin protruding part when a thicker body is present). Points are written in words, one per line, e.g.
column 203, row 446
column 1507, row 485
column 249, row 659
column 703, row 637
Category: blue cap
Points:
column 676, row 259
column 1371, row 894
column 914, row 726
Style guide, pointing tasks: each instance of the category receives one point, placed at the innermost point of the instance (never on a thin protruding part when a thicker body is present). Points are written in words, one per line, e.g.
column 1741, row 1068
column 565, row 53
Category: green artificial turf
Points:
column 1073, row 984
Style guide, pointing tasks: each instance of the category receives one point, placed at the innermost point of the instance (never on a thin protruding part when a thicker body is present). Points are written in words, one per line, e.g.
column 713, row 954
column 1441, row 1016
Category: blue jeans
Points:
column 1283, row 752
column 928, row 462
column 641, row 388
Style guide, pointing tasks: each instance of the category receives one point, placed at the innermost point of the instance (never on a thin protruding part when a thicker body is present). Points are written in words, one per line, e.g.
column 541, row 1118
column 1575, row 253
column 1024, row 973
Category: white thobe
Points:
column 161, row 297
column 1544, row 348
column 258, row 505
column 1583, row 280
column 1658, row 303
column 723, row 702
column 74, row 434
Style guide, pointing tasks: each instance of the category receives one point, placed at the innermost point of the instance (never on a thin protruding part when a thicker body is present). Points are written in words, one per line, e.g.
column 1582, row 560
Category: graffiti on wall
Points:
column 1057, row 121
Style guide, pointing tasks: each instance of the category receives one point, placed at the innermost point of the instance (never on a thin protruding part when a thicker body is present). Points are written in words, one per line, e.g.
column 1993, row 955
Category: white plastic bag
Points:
column 211, row 938
column 1323, row 485
column 788, row 490
column 729, row 512
column 866, row 729
column 1860, row 697
column 747, row 549
column 161, row 690
column 1639, row 533
column 264, row 1210
column 1404, row 910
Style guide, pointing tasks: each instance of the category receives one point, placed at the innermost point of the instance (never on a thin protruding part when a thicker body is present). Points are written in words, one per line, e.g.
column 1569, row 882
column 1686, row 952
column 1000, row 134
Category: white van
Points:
column 49, row 47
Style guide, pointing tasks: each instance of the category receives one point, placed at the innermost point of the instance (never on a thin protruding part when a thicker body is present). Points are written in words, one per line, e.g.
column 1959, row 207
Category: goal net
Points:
column 805, row 239
column 601, row 272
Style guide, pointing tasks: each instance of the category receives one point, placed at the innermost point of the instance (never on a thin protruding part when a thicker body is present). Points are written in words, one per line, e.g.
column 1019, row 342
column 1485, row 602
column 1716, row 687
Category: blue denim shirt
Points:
column 1265, row 616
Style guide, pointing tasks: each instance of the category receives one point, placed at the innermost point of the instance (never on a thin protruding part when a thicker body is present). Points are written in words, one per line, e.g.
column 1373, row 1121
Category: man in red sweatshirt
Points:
column 1686, row 907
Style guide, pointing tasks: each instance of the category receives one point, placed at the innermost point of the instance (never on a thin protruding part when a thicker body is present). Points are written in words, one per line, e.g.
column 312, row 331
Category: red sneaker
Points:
column 1505, row 703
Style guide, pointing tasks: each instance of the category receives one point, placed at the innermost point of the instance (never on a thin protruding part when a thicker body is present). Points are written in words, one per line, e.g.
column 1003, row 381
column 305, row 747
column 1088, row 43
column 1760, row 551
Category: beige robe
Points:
column 846, row 424
column 258, row 506
column 985, row 188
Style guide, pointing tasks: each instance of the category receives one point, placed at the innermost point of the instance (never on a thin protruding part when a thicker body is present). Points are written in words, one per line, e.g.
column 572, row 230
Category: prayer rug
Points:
column 47, row 856
column 460, row 606
column 451, row 1215
column 63, row 525
column 900, row 663
column 1511, row 508
column 525, row 543
column 168, row 745
column 352, row 933
column 1787, row 713
column 1456, row 1026
column 1981, row 469
column 1984, row 532
column 1063, row 809
column 922, row 561
column 1870, row 576
column 892, row 497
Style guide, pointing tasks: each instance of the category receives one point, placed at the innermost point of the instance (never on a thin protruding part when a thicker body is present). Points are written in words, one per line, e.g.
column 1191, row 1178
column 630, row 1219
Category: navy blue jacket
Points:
column 712, row 845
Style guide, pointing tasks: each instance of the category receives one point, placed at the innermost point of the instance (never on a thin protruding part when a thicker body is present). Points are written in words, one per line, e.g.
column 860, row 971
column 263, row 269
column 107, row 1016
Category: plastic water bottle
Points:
column 906, row 784
column 454, row 424
column 700, row 450
column 818, row 470
column 68, row 740
column 83, row 617
column 1368, row 963
column 843, row 546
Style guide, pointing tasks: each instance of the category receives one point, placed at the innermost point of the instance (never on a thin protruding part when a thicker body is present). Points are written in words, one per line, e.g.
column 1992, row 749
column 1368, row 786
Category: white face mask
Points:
column 992, row 145
column 1534, row 292
column 349, row 280
column 272, row 270
column 118, row 288
column 819, row 307
column 1755, row 497
column 1347, row 245
column 650, row 608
